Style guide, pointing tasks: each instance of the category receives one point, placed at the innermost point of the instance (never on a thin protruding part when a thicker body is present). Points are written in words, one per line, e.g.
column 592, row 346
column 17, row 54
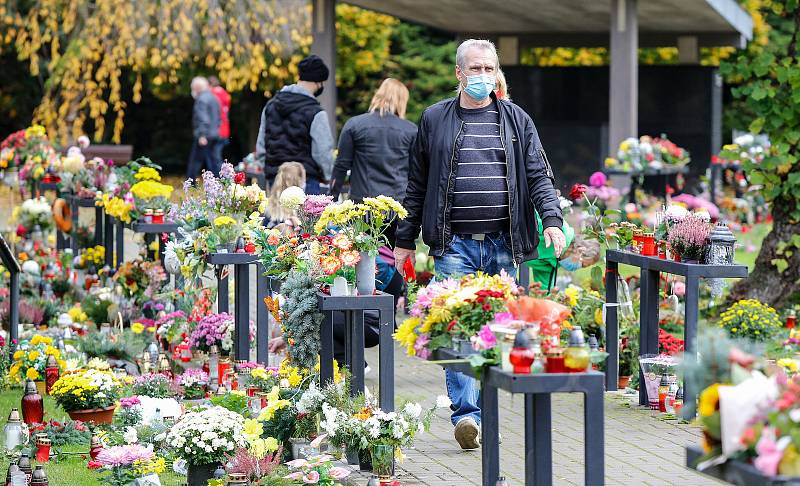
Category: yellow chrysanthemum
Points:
column 406, row 334
column 224, row 221
column 32, row 374
column 709, row 399
column 137, row 327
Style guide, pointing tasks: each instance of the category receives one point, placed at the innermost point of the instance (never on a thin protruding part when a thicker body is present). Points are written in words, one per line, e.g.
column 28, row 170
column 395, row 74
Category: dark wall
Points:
column 570, row 108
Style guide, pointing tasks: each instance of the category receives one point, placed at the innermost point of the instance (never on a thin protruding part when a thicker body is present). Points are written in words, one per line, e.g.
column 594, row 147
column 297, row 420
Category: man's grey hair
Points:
column 461, row 52
column 199, row 83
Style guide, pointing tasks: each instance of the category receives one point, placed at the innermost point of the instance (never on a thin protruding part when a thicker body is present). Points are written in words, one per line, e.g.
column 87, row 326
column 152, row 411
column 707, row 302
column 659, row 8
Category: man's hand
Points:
column 554, row 236
column 276, row 344
column 400, row 257
column 202, row 141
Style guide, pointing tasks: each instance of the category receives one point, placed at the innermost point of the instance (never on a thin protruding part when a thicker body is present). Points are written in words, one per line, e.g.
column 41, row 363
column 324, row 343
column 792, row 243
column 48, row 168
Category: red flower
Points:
column 21, row 231
column 409, row 272
column 239, row 178
column 487, row 307
column 577, row 191
column 94, row 465
column 451, row 325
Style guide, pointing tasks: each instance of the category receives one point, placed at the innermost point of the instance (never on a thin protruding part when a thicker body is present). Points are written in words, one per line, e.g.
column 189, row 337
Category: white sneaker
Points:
column 468, row 433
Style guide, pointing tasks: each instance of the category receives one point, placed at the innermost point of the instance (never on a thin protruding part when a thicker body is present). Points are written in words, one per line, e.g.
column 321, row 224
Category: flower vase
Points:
column 383, row 461
column 351, row 453
column 365, row 274
column 364, row 460
column 199, row 474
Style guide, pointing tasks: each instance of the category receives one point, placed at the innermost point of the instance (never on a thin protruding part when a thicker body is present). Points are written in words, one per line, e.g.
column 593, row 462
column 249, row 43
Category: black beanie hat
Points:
column 313, row 69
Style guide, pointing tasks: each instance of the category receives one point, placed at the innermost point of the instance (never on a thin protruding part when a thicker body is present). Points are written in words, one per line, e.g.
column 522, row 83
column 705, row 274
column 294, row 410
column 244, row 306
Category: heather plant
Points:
column 301, row 325
column 688, row 237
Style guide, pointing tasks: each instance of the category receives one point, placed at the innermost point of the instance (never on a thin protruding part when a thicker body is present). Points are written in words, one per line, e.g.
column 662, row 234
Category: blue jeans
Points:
column 312, row 185
column 465, row 256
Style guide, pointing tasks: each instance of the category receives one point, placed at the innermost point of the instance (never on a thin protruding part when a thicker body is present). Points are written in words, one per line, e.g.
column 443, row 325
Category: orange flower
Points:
column 342, row 242
column 273, row 239
column 281, row 251
column 330, row 264
column 350, row 258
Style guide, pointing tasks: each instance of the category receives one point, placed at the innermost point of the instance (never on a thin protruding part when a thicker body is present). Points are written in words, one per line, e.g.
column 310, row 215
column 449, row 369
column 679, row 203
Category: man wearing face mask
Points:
column 295, row 128
column 477, row 171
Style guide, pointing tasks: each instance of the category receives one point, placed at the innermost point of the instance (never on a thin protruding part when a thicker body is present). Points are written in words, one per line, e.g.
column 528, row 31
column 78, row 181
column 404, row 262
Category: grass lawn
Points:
column 70, row 470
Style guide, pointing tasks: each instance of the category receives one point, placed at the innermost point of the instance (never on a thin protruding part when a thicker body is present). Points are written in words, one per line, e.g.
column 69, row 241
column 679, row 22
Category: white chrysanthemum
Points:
column 292, row 197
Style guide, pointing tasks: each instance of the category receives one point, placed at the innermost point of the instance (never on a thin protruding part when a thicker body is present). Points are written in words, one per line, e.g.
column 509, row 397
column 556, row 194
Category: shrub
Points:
column 751, row 319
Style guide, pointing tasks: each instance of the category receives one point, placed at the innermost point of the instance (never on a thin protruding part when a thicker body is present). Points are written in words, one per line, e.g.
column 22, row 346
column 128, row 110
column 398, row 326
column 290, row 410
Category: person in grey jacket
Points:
column 295, row 128
column 205, row 129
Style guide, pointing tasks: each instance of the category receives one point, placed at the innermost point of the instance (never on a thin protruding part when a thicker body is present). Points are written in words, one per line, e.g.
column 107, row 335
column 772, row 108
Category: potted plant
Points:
column 154, row 385
column 688, row 238
column 316, row 470
column 30, row 361
column 204, row 438
column 88, row 395
column 193, row 383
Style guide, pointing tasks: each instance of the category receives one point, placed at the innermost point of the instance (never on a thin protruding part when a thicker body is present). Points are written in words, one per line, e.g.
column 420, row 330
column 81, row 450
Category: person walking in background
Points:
column 205, row 129
column 294, row 127
column 477, row 171
column 374, row 147
column 224, row 99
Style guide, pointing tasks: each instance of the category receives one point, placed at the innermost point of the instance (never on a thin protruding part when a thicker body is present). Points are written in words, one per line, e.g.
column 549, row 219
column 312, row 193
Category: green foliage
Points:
column 302, row 319
column 125, row 346
column 232, row 401
column 767, row 83
column 96, row 309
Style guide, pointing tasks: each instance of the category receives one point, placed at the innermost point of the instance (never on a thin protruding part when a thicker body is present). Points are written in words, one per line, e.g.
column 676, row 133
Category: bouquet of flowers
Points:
column 398, row 429
column 153, row 385
column 30, row 359
column 635, row 155
column 745, row 149
column 263, row 378
column 453, row 308
column 32, row 213
column 34, row 153
column 86, row 389
column 316, row 470
column 122, row 465
column 91, row 259
column 207, row 436
column 214, row 329
column 121, row 202
column 363, row 223
column 140, row 280
column 148, row 192
column 193, row 382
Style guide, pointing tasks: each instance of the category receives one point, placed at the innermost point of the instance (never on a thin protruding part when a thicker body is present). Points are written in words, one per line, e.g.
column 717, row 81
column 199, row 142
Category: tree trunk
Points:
column 766, row 283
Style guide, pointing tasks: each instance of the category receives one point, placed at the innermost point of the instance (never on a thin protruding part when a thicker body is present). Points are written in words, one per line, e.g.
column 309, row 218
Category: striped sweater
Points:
column 480, row 196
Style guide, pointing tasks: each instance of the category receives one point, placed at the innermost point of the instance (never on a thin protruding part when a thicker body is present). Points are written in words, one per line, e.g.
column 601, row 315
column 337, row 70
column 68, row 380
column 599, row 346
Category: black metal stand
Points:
column 537, row 389
column 108, row 239
column 75, row 204
column 12, row 265
column 650, row 275
column 663, row 174
column 353, row 308
column 241, row 269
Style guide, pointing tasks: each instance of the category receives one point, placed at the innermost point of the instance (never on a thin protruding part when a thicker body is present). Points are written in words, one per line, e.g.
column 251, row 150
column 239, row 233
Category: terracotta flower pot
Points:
column 96, row 415
column 622, row 382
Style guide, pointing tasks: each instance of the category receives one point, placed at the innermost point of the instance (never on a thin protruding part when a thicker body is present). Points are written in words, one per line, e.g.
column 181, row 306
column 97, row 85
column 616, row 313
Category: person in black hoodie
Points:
column 294, row 127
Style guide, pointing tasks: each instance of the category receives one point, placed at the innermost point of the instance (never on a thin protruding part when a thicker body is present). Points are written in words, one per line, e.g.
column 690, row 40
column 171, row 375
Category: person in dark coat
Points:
column 477, row 172
column 374, row 148
column 294, row 127
column 205, row 129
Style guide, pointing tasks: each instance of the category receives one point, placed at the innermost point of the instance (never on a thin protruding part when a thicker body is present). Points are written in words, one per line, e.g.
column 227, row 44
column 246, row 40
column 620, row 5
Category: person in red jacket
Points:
column 224, row 100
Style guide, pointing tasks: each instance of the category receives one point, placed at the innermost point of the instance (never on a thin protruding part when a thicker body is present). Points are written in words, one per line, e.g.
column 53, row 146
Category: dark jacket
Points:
column 374, row 149
column 287, row 138
column 431, row 177
column 205, row 116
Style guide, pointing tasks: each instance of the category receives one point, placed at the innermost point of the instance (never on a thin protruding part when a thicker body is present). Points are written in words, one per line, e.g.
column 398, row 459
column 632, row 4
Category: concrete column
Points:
column 323, row 25
column 688, row 52
column 623, row 103
column 509, row 50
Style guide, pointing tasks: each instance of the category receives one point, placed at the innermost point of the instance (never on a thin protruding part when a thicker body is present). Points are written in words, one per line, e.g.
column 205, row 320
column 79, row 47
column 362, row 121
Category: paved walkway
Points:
column 641, row 448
